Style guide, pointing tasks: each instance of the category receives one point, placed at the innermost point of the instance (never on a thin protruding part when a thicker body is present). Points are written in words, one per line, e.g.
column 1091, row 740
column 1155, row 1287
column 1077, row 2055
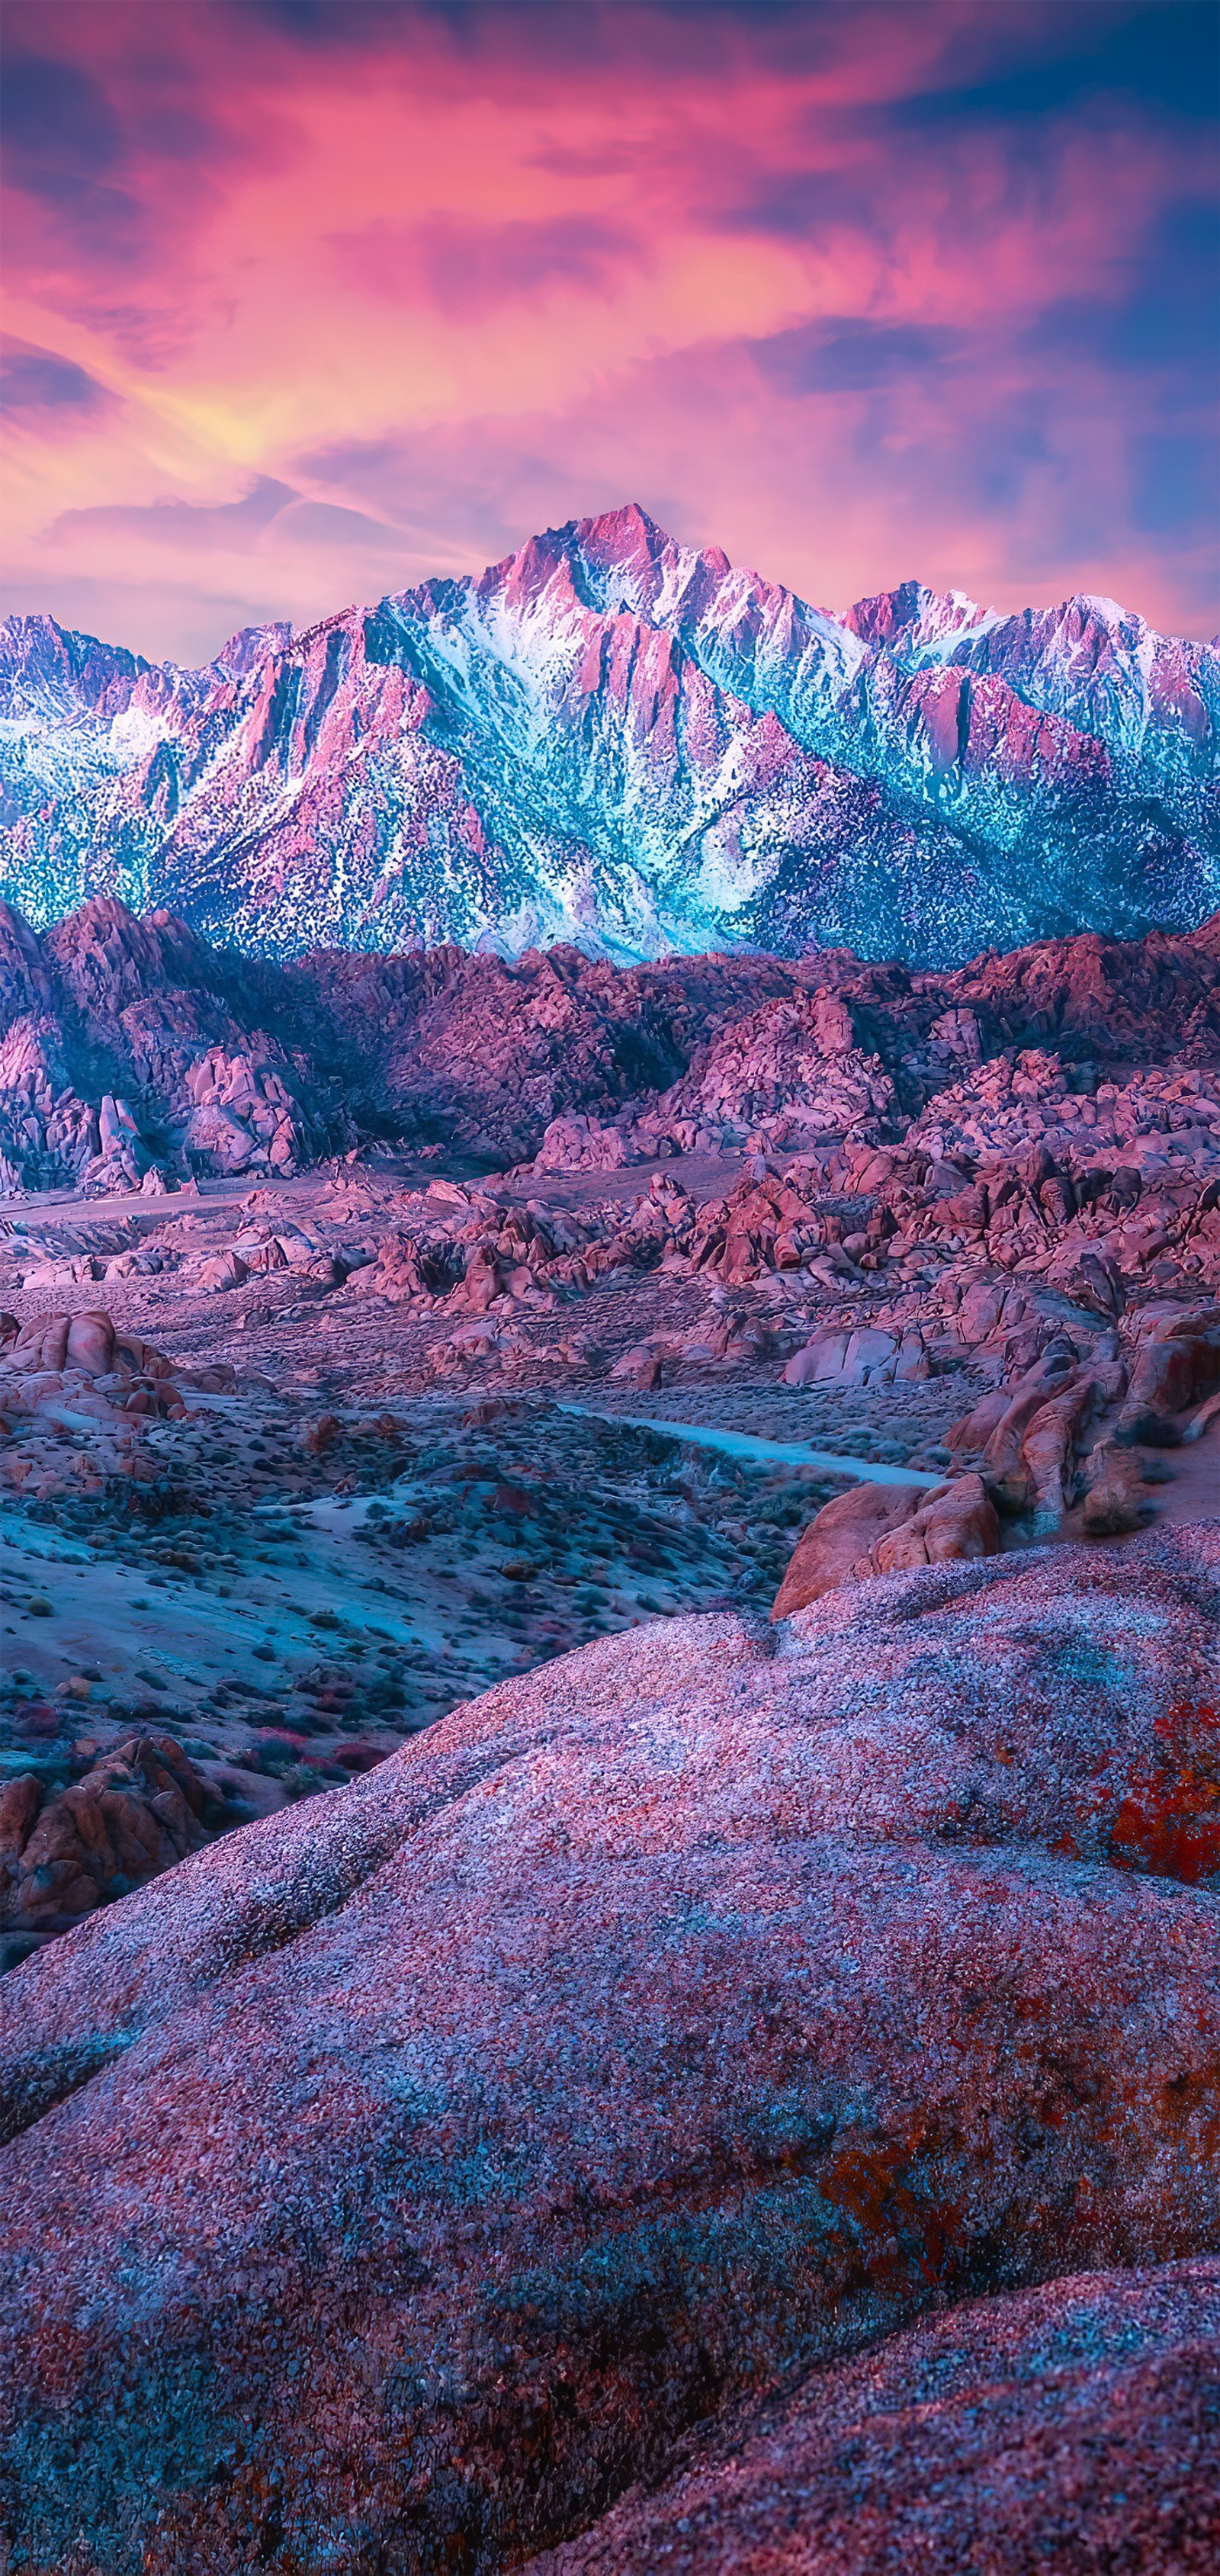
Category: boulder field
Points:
column 400, row 2181
column 228, row 1067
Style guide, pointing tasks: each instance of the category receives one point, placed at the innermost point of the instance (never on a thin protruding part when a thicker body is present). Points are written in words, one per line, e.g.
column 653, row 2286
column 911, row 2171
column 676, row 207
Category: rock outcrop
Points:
column 62, row 1375
column 1179, row 1364
column 143, row 1054
column 885, row 1529
column 131, row 1052
column 406, row 2175
column 248, row 1116
column 139, row 1810
column 786, row 1075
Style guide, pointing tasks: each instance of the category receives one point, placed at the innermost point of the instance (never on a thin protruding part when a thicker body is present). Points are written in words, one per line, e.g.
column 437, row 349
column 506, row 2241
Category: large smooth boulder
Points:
column 839, row 1538
column 863, row 1358
column 579, row 1144
column 1004, row 1469
column 1179, row 1363
column 90, row 1343
column 958, row 1520
column 1117, row 1497
column 395, row 2181
column 80, row 1373
column 1066, row 2428
column 971, row 1432
column 822, row 1358
column 886, row 1529
column 1057, row 1433
column 222, row 1270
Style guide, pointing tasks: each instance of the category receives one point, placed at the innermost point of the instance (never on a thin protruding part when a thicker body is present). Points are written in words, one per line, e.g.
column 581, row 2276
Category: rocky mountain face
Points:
column 619, row 742
column 132, row 1052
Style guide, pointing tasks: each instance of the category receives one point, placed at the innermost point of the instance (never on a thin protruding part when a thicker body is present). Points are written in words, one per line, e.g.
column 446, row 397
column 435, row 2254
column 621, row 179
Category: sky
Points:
column 307, row 300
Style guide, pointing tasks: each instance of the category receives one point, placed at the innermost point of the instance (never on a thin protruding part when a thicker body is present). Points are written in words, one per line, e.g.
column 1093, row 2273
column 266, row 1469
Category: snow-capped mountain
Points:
column 618, row 740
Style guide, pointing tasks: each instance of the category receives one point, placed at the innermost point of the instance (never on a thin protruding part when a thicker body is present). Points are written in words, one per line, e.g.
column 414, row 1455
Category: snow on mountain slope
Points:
column 618, row 740
column 1148, row 697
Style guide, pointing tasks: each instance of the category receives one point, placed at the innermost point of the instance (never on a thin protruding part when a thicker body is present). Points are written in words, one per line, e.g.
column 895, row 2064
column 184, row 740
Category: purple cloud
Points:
column 467, row 268
column 38, row 380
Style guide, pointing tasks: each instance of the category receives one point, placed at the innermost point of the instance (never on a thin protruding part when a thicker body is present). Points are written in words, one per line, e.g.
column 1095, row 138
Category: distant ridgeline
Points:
column 625, row 743
column 132, row 1050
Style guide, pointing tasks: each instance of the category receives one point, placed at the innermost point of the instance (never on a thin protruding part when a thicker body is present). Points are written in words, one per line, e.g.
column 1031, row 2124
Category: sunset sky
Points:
column 308, row 299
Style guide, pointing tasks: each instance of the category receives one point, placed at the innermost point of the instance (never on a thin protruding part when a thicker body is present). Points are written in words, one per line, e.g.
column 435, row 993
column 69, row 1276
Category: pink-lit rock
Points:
column 838, row 1539
column 1068, row 2427
column 886, row 1529
column 826, row 779
column 137, row 1812
column 409, row 2170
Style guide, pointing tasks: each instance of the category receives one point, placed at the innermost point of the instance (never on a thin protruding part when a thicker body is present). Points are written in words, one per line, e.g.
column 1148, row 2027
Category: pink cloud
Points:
column 467, row 268
column 853, row 293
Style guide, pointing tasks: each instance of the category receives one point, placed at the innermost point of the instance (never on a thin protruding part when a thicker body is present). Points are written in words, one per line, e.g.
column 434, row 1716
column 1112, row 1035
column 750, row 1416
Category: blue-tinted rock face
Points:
column 612, row 739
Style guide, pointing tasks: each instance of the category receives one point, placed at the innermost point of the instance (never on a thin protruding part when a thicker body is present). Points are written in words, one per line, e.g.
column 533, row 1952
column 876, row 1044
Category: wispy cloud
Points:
column 467, row 269
column 311, row 297
column 36, row 382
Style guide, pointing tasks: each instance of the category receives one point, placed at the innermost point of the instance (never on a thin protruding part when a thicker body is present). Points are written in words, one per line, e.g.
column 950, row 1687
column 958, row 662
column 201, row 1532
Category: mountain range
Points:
column 129, row 1047
column 620, row 742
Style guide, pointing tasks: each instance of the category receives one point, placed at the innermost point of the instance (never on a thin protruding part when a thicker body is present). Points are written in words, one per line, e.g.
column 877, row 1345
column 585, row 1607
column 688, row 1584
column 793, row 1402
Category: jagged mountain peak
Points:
column 618, row 740
column 914, row 613
column 251, row 645
column 46, row 666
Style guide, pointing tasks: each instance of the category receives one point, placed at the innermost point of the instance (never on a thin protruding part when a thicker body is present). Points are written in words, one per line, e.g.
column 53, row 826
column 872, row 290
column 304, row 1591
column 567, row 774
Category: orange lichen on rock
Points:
column 1169, row 1820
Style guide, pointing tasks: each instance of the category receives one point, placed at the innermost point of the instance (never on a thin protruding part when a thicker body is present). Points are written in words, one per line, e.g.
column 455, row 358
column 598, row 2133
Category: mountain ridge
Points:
column 129, row 1046
column 615, row 740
